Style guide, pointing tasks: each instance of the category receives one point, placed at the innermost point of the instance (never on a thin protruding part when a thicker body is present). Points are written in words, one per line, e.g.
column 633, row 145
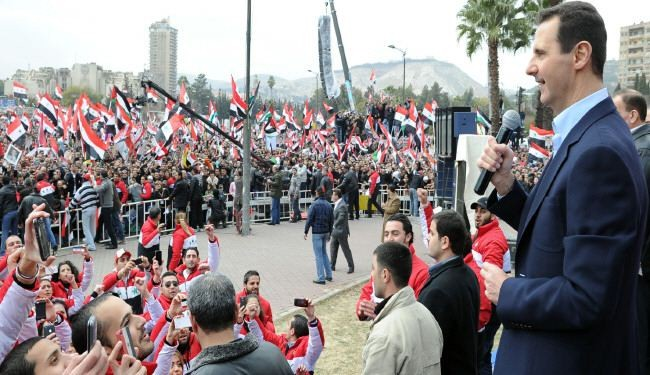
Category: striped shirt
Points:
column 85, row 197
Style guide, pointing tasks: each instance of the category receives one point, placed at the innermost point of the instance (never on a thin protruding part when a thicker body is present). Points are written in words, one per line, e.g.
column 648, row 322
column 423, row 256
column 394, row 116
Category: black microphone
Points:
column 511, row 122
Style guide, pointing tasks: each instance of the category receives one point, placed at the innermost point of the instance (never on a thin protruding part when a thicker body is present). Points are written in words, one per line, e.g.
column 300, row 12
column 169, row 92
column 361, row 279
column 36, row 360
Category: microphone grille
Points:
column 511, row 120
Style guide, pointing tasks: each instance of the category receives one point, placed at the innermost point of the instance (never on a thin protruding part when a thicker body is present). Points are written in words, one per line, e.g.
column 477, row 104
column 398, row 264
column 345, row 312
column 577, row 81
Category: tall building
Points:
column 634, row 53
column 89, row 77
column 162, row 54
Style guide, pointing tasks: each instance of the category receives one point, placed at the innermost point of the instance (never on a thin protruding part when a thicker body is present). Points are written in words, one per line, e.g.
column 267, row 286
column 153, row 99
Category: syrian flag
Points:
column 429, row 113
column 170, row 126
column 48, row 107
column 320, row 120
column 169, row 107
column 287, row 113
column 538, row 153
column 212, row 113
column 281, row 125
column 327, row 107
column 412, row 116
column 238, row 106
column 539, row 136
column 373, row 79
column 15, row 129
column 90, row 138
column 27, row 123
column 183, row 96
column 58, row 92
column 152, row 96
column 54, row 145
column 421, row 136
column 20, row 91
column 400, row 113
column 121, row 99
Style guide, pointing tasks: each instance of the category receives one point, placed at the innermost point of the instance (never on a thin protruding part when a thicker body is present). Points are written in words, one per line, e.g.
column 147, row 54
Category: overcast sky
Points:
column 212, row 35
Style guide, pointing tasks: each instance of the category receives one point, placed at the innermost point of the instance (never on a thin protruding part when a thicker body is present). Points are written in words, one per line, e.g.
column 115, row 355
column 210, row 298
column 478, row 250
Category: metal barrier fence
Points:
column 133, row 214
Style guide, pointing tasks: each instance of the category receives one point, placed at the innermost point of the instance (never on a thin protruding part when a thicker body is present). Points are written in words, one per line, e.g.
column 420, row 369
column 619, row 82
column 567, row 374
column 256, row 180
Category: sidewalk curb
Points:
column 326, row 296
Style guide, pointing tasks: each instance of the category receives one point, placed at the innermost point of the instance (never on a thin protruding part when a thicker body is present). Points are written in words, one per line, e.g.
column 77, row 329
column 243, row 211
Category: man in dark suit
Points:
column 181, row 194
column 633, row 108
column 452, row 293
column 350, row 186
column 340, row 232
column 196, row 198
column 571, row 309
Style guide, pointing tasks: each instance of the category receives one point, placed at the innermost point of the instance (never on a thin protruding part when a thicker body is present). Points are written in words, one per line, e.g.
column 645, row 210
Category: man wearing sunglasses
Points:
column 168, row 289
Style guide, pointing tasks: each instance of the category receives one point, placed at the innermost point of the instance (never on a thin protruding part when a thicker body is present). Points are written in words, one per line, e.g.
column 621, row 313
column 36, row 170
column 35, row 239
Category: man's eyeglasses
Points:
column 169, row 284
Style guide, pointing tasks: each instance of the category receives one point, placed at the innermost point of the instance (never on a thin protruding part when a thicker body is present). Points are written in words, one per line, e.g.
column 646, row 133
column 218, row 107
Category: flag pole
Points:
column 246, row 151
column 195, row 115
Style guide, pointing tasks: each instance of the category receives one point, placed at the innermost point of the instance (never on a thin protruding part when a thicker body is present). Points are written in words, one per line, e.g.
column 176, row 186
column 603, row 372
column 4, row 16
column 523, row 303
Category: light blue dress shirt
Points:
column 569, row 118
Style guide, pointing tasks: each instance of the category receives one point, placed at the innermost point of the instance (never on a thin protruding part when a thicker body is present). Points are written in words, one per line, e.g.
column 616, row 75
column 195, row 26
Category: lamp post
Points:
column 403, row 71
column 316, row 74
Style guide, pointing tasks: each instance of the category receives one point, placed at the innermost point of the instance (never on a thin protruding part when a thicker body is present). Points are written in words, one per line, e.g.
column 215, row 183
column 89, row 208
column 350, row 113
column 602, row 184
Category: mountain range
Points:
column 419, row 72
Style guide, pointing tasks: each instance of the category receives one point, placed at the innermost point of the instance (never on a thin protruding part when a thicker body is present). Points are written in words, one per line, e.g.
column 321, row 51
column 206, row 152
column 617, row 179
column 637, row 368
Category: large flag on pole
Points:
column 58, row 92
column 90, row 138
column 15, row 129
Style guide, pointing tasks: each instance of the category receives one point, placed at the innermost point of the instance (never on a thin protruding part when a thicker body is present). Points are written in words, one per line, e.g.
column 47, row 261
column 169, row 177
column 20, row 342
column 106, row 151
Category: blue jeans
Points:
column 50, row 234
column 275, row 210
column 323, row 266
column 9, row 226
column 415, row 203
column 117, row 224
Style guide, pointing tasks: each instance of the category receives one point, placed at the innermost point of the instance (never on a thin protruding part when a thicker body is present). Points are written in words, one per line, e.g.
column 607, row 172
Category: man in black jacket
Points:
column 212, row 313
column 196, row 198
column 181, row 194
column 8, row 210
column 632, row 106
column 452, row 293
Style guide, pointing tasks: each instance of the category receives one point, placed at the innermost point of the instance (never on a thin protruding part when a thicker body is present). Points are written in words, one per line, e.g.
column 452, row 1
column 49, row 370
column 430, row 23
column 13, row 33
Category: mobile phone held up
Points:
column 300, row 302
column 41, row 239
column 40, row 310
column 183, row 321
column 127, row 343
column 48, row 329
column 91, row 332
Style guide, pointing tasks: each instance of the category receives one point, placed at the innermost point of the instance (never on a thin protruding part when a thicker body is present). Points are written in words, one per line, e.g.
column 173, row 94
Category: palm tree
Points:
column 498, row 23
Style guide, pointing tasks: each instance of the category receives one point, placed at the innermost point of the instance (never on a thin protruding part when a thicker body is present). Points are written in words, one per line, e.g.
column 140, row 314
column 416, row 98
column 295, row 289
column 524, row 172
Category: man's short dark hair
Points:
column 634, row 101
column 167, row 274
column 212, row 303
column 195, row 249
column 396, row 258
column 249, row 274
column 6, row 180
column 406, row 223
column 300, row 326
column 79, row 321
column 451, row 225
column 579, row 21
column 16, row 363
column 154, row 212
column 337, row 192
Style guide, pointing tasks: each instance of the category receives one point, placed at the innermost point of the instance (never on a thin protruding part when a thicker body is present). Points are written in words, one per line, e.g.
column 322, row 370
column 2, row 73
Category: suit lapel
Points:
column 553, row 167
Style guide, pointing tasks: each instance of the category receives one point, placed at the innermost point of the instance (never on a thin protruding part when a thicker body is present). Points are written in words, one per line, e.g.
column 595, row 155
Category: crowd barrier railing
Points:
column 67, row 226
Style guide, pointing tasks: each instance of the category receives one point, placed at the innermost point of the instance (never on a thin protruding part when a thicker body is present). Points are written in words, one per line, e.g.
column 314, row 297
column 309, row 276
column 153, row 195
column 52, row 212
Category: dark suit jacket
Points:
column 451, row 294
column 181, row 194
column 572, row 307
column 340, row 227
column 641, row 137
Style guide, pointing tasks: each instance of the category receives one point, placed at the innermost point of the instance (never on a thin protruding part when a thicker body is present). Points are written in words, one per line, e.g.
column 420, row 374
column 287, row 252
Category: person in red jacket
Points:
column 121, row 280
column 252, row 286
column 147, row 189
column 398, row 228
column 303, row 342
column 489, row 245
column 373, row 191
column 183, row 238
column 149, row 239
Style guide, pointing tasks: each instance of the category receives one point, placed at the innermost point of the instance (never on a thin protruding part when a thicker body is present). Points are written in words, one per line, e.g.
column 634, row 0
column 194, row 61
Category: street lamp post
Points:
column 316, row 74
column 403, row 70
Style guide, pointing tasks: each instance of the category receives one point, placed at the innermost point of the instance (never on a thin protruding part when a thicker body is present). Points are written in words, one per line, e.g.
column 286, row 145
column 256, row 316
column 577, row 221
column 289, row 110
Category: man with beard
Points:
column 252, row 286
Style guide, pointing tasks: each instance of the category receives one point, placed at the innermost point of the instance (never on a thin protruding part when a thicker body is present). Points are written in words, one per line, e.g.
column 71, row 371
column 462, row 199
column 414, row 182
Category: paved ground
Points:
column 281, row 255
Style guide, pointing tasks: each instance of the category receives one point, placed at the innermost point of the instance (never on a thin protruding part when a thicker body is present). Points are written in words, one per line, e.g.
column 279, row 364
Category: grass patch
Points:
column 345, row 335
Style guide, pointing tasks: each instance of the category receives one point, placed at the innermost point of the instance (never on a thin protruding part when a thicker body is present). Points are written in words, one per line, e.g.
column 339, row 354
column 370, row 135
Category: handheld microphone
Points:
column 511, row 122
